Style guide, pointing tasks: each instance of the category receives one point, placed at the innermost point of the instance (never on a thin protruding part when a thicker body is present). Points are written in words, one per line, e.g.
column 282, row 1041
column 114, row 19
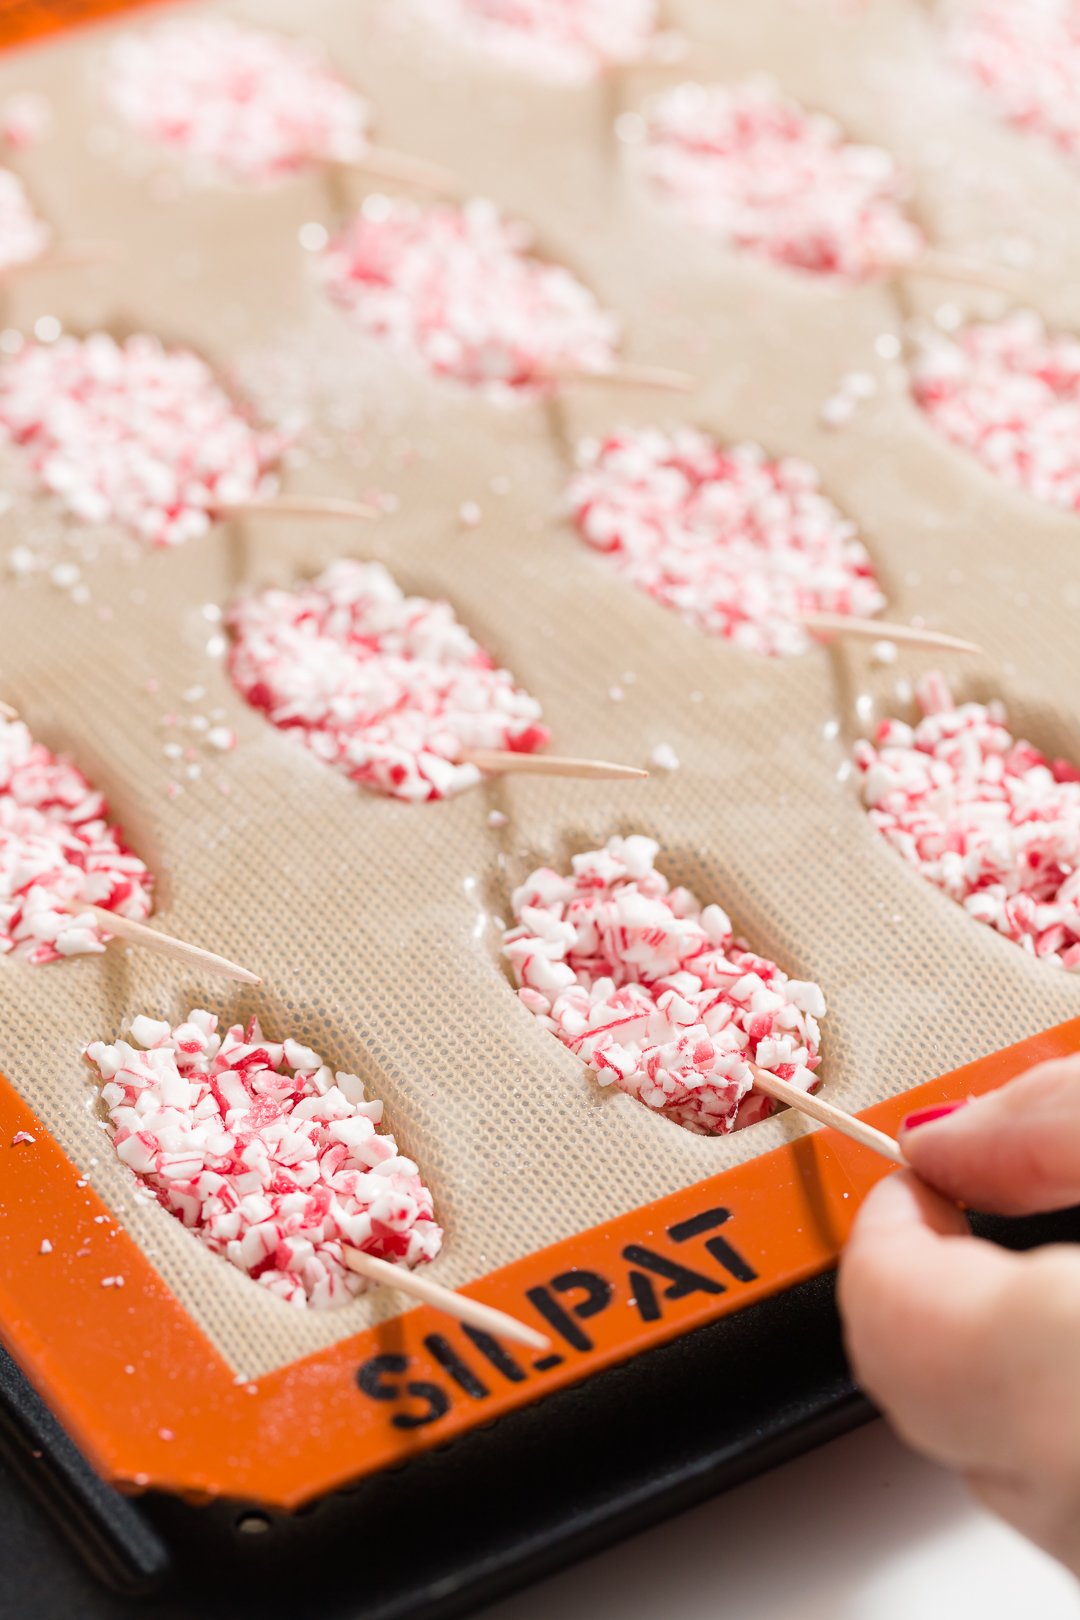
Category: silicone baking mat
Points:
column 374, row 924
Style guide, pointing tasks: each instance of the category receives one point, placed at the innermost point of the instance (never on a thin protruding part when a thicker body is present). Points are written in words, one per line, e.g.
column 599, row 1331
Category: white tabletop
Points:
column 861, row 1529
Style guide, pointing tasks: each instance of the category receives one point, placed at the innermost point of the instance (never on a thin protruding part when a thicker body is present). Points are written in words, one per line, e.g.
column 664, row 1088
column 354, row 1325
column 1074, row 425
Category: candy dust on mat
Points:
column 376, row 924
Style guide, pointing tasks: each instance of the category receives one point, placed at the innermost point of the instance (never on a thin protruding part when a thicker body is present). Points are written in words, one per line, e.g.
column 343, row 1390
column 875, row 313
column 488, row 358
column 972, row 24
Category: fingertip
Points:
column 1011, row 1151
column 903, row 1202
column 930, row 1116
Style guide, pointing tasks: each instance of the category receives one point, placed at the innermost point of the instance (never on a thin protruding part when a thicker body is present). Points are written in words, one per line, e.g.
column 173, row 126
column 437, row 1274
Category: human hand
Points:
column 973, row 1352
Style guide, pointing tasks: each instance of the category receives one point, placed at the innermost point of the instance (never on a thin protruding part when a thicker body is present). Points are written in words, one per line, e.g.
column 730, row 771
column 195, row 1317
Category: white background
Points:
column 861, row 1529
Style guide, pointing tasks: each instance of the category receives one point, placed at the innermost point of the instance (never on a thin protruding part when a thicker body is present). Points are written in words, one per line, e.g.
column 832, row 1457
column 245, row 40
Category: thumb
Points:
column 1015, row 1151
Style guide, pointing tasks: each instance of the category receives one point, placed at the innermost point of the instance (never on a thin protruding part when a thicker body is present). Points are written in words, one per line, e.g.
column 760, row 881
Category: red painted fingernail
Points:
column 923, row 1116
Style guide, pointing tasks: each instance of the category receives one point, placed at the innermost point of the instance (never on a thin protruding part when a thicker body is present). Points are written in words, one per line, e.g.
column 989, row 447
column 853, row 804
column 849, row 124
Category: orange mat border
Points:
column 150, row 1402
column 22, row 22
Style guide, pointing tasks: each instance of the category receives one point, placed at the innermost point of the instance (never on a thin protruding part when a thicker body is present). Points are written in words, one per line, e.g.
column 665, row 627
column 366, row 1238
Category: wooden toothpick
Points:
column 503, row 762
column 484, row 1317
column 72, row 255
column 845, row 624
column 400, row 168
column 938, row 265
column 7, row 712
column 622, row 375
column 316, row 506
column 139, row 934
column 826, row 1113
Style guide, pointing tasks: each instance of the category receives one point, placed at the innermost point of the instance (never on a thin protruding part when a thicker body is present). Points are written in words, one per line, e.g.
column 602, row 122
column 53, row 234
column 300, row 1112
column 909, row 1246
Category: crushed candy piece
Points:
column 23, row 236
column 57, row 847
column 25, row 119
column 1009, row 392
column 653, row 991
column 133, row 433
column 240, row 104
column 455, row 290
column 1026, row 56
column 983, row 816
column 23, row 1136
column 564, row 41
column 737, row 544
column 388, row 688
column 751, row 167
column 266, row 1156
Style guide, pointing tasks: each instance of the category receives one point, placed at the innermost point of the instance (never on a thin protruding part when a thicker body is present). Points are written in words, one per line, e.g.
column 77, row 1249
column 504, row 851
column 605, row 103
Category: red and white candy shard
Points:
column 748, row 165
column 983, row 816
column 264, row 1153
column 388, row 688
column 654, row 992
column 737, row 544
column 134, row 434
column 454, row 289
column 240, row 104
column 57, row 847
column 1026, row 56
column 565, row 41
column 1009, row 392
column 23, row 236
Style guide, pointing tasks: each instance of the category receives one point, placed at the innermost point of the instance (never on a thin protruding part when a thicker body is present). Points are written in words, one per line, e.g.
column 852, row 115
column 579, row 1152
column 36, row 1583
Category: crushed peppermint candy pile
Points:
column 750, row 166
column 737, row 544
column 654, row 992
column 565, row 41
column 983, row 816
column 1026, row 55
column 1009, row 392
column 240, row 104
column 455, row 289
column 134, row 433
column 388, row 688
column 57, row 847
column 264, row 1153
column 23, row 236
